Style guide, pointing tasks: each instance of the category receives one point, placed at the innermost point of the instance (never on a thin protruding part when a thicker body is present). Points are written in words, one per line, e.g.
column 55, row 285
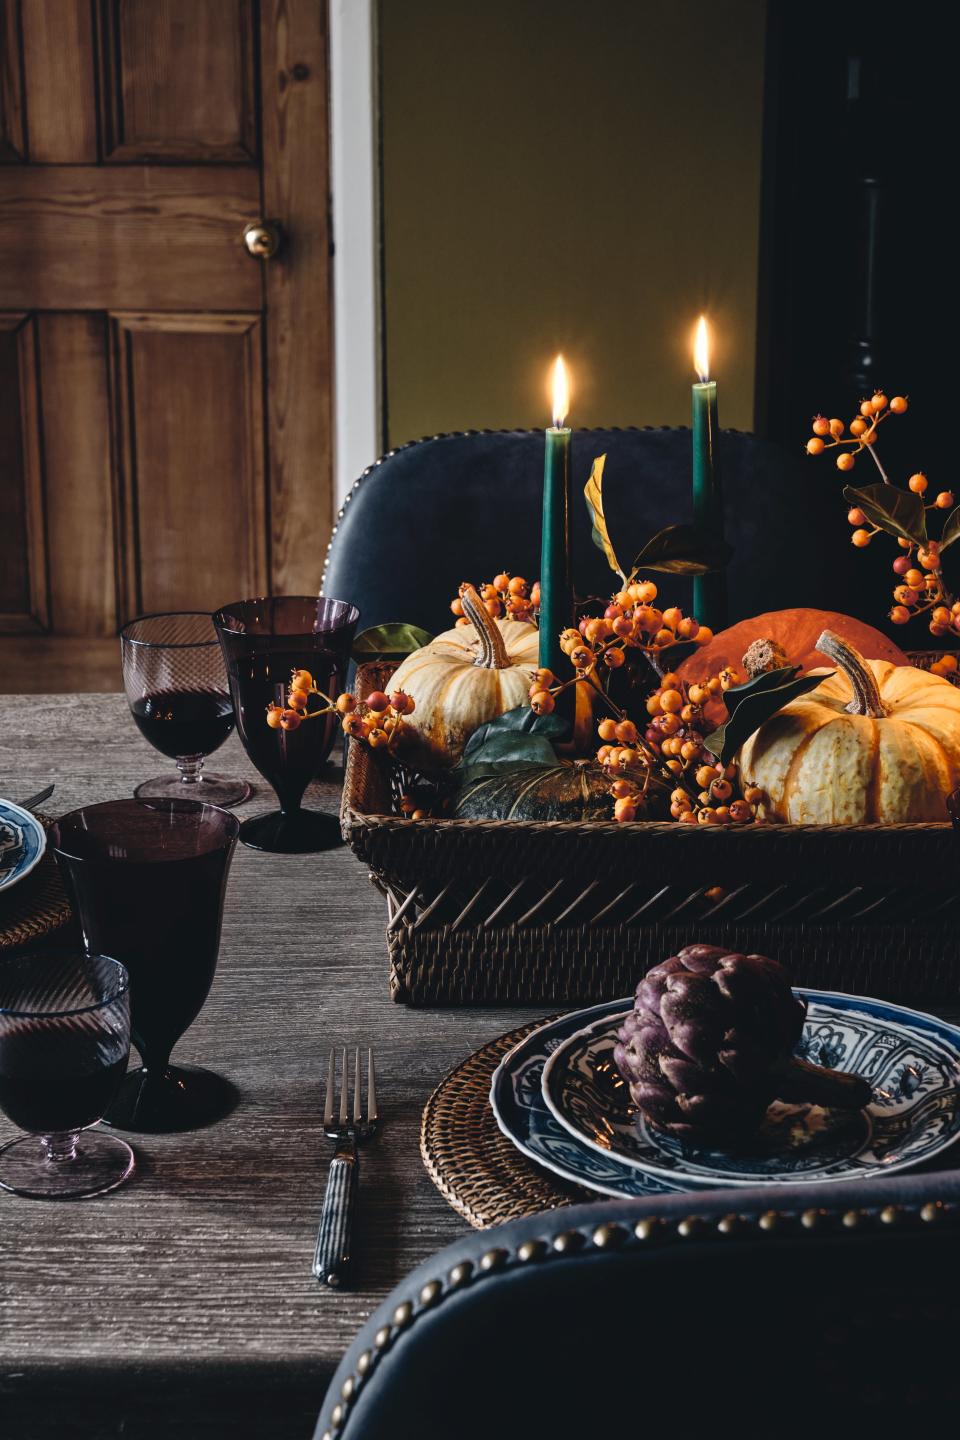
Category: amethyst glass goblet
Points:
column 176, row 687
column 147, row 880
column 264, row 641
column 64, row 1043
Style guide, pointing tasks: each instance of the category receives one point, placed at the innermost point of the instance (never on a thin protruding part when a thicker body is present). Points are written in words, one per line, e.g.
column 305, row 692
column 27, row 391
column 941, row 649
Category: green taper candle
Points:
column 556, row 589
column 710, row 590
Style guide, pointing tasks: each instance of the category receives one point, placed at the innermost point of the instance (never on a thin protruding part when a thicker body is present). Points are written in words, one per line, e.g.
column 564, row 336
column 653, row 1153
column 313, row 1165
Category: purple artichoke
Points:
column 710, row 1044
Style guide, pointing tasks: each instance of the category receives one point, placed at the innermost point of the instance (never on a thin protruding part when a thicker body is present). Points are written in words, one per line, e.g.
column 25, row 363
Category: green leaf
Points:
column 519, row 721
column 769, row 680
column 897, row 511
column 509, row 750
column 683, row 550
column 951, row 530
column 593, row 494
column 387, row 642
column 754, row 709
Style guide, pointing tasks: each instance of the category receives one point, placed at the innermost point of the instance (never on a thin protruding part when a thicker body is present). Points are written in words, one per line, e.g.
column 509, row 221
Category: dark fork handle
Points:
column 331, row 1261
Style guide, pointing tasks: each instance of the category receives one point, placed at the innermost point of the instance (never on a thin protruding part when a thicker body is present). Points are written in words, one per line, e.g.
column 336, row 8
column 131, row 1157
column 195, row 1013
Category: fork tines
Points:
column 342, row 1121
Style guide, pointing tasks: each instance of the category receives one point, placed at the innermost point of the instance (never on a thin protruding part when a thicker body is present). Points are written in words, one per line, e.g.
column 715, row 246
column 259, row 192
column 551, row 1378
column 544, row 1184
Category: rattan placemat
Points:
column 476, row 1168
column 36, row 907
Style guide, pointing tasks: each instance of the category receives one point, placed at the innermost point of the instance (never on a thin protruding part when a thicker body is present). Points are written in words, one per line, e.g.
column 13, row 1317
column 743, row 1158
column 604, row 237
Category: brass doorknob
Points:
column 262, row 238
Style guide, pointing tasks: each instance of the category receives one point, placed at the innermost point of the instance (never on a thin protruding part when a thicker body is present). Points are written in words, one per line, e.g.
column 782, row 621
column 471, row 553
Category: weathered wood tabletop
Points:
column 183, row 1303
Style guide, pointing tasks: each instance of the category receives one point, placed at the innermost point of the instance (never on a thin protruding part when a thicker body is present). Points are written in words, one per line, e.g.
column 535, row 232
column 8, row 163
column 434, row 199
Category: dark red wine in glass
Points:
column 263, row 642
column 177, row 691
column 147, row 880
column 64, row 1043
column 184, row 722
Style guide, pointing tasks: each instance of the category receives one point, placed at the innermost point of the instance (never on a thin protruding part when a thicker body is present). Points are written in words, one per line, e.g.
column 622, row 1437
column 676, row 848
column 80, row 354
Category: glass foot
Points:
column 209, row 789
column 184, row 1097
column 100, row 1163
column 304, row 833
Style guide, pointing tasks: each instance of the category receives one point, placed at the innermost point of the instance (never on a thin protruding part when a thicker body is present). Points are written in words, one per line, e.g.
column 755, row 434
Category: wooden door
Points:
column 164, row 395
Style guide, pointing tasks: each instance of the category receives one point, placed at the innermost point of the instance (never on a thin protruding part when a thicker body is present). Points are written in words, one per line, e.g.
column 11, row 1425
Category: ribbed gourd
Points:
column 875, row 742
column 465, row 677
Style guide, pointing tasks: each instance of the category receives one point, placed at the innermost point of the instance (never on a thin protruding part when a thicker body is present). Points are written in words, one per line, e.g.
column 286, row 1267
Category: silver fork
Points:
column 331, row 1260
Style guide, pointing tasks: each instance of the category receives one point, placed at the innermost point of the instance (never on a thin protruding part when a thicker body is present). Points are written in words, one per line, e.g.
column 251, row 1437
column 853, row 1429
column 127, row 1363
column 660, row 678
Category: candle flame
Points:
column 701, row 349
column 561, row 392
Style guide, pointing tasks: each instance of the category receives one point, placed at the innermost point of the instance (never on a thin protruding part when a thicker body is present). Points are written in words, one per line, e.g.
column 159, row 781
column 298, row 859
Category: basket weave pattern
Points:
column 559, row 911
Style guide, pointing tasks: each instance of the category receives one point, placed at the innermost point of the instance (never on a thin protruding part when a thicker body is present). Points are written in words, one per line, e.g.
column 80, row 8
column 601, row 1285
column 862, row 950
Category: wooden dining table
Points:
column 183, row 1303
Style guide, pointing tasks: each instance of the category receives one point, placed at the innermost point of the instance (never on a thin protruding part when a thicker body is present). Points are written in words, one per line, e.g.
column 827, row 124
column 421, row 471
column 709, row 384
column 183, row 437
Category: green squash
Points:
column 570, row 790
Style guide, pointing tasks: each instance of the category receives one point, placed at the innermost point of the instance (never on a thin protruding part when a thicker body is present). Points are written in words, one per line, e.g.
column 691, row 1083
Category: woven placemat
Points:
column 36, row 907
column 476, row 1169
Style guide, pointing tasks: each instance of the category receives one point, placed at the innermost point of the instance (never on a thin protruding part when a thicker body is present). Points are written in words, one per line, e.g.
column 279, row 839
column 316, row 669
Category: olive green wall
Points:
column 575, row 175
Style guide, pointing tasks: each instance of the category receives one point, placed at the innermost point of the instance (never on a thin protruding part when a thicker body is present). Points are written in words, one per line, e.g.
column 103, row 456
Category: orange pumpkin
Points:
column 797, row 632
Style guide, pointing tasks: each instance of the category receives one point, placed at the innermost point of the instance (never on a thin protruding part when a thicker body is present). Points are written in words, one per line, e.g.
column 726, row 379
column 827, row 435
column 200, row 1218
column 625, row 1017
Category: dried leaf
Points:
column 683, row 550
column 593, row 494
column 755, row 705
column 898, row 512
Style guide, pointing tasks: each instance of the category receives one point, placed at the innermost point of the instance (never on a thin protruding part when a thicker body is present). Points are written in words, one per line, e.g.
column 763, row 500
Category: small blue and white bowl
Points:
column 22, row 843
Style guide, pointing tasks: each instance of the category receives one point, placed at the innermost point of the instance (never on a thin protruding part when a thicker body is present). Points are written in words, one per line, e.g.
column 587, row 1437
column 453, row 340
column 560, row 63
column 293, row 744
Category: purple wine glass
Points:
column 177, row 690
column 64, row 1044
column 147, row 880
column 264, row 641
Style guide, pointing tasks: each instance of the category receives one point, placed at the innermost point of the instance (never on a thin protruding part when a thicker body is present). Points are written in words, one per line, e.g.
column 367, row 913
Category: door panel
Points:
column 58, row 76
column 77, row 475
column 23, row 569
column 134, row 235
column 177, row 80
column 165, row 417
column 187, row 390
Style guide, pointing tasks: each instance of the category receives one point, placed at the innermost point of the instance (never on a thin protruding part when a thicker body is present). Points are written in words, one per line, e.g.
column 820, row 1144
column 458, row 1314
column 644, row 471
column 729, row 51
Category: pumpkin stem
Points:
column 866, row 695
column 493, row 650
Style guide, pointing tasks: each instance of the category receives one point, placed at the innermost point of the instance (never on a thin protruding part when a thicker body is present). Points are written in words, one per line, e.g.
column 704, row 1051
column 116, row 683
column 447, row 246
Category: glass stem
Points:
column 60, row 1148
column 190, row 767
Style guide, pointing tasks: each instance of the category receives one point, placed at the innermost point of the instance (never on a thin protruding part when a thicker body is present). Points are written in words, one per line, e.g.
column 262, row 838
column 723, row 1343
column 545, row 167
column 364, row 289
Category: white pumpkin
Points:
column 465, row 677
column 874, row 742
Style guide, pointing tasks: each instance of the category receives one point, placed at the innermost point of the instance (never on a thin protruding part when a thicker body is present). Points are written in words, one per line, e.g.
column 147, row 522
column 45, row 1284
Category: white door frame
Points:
column 355, row 187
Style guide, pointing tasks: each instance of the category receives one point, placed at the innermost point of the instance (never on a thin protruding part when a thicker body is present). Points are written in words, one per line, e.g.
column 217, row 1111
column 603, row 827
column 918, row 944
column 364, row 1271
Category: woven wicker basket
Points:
column 560, row 912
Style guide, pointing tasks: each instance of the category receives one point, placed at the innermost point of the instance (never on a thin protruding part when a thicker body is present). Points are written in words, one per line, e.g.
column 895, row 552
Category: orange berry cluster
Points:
column 292, row 715
column 631, row 621
column 505, row 595
column 378, row 720
column 828, row 434
column 705, row 792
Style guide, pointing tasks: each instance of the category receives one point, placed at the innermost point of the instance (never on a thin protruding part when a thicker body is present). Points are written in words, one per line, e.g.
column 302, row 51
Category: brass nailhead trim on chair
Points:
column 608, row 1237
column 567, row 1242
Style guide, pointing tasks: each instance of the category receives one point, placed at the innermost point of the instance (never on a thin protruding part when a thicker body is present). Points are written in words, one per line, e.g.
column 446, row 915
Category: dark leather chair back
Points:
column 787, row 1312
column 462, row 507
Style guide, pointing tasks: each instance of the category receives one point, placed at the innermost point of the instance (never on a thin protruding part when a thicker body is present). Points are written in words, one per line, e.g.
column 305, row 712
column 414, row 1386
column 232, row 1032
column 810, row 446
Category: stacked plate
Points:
column 22, row 843
column 559, row 1098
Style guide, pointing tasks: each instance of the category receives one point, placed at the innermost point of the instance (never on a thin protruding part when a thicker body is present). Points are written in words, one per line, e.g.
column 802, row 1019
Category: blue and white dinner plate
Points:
column 911, row 1060
column 22, row 843
column 517, row 1102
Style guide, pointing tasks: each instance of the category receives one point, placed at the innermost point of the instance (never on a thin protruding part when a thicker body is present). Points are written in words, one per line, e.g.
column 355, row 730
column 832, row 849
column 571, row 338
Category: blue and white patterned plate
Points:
column 22, row 843
column 911, row 1060
column 517, row 1102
